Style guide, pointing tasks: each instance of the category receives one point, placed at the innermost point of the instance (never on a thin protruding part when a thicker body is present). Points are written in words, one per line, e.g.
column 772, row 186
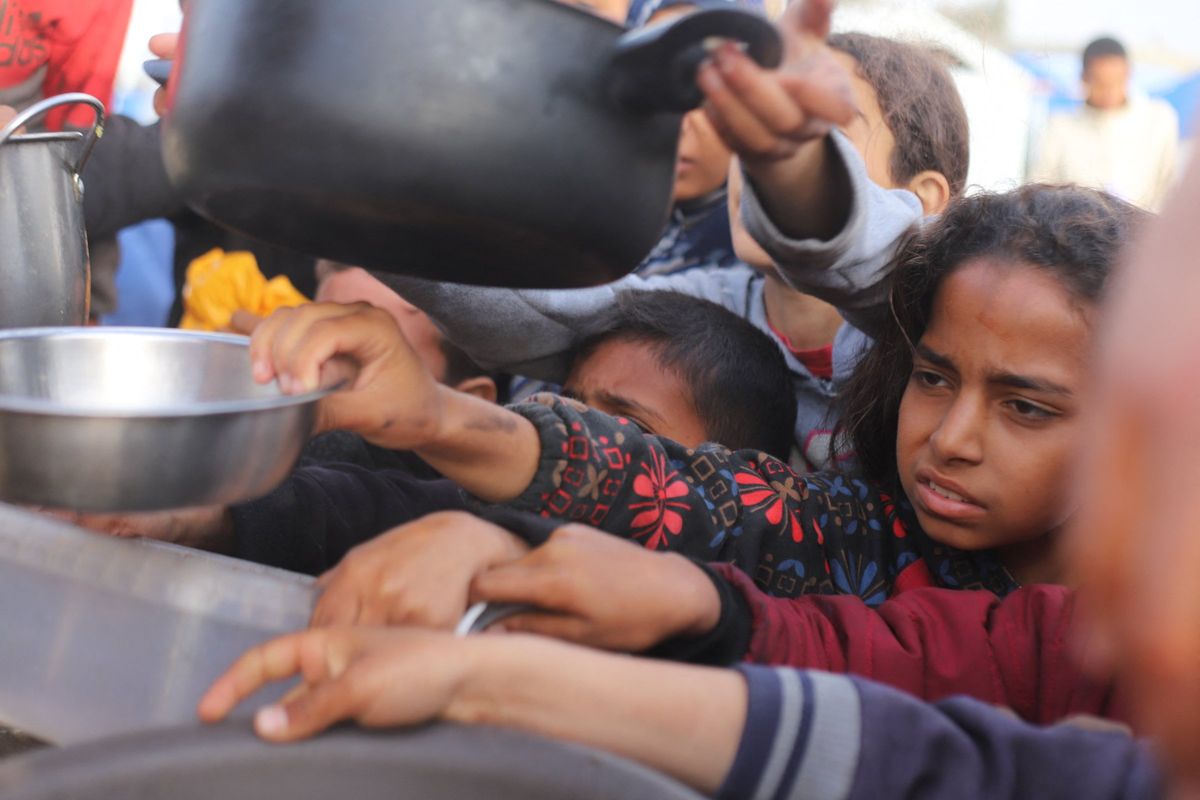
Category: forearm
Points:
column 681, row 720
column 849, row 269
column 488, row 450
column 808, row 195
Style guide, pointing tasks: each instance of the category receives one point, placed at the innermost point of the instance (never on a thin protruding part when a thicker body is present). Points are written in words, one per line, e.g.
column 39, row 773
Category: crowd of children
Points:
column 816, row 463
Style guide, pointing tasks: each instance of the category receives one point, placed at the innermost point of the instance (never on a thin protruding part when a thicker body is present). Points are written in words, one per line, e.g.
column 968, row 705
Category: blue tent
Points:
column 1185, row 96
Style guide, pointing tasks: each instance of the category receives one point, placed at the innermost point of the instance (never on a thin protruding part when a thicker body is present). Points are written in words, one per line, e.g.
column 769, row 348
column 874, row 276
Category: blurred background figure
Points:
column 1117, row 141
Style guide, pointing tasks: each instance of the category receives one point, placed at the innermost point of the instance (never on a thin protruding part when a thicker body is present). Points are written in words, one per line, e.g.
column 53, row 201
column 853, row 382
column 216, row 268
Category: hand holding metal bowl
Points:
column 127, row 420
column 501, row 142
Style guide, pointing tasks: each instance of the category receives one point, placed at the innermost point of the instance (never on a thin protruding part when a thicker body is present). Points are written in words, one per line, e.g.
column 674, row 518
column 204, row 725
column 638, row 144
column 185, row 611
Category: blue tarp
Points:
column 1185, row 96
column 1058, row 76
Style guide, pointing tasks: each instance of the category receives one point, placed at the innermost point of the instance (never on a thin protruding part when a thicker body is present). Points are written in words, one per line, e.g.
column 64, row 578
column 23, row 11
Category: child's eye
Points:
column 1029, row 410
column 646, row 429
column 927, row 378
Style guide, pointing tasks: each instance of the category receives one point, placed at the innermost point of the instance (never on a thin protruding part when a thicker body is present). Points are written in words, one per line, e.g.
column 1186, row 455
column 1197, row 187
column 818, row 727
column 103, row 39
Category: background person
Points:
column 1117, row 141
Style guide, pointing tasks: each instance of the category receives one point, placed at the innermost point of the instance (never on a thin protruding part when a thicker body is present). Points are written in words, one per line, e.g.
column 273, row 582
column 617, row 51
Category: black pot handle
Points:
column 654, row 69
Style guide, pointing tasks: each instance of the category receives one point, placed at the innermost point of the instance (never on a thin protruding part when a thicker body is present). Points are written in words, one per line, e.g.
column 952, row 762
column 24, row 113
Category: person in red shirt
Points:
column 50, row 47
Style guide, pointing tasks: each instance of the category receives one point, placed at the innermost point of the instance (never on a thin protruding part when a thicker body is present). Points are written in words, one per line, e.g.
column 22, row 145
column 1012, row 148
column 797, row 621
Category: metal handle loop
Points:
column 41, row 107
column 481, row 616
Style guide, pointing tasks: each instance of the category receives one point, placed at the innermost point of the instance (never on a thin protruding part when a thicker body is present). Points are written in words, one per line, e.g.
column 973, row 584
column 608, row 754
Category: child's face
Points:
column 1106, row 82
column 703, row 159
column 702, row 162
column 625, row 379
column 356, row 285
column 990, row 420
column 747, row 250
column 869, row 133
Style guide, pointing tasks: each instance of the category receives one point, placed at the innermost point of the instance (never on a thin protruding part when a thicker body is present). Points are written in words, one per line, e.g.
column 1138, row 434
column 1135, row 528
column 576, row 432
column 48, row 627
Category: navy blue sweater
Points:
column 825, row 737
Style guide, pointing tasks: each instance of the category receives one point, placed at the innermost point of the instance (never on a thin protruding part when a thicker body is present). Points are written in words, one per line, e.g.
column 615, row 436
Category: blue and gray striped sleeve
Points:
column 813, row 736
column 802, row 737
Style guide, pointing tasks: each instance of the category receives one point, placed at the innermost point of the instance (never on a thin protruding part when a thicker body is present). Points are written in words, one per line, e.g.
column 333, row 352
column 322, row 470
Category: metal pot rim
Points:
column 22, row 405
column 31, row 138
column 47, row 408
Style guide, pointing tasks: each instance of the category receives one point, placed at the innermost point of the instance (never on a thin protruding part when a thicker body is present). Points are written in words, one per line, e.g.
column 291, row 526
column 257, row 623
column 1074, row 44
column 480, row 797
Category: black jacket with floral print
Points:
column 824, row 533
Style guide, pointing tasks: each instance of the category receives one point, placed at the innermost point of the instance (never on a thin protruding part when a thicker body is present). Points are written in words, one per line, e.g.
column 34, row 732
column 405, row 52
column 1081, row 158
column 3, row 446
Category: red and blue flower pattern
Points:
column 827, row 533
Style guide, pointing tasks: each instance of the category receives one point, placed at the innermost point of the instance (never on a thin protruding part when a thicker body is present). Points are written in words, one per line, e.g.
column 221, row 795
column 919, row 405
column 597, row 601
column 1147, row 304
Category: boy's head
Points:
column 912, row 131
column 1106, row 74
column 687, row 370
column 339, row 283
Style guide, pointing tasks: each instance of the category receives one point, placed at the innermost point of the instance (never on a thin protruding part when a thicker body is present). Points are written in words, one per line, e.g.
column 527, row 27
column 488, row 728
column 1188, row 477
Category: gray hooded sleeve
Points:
column 850, row 270
column 533, row 332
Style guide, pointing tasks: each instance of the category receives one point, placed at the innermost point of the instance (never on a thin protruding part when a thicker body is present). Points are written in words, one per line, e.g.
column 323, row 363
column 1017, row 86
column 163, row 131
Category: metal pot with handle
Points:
column 501, row 142
column 44, row 276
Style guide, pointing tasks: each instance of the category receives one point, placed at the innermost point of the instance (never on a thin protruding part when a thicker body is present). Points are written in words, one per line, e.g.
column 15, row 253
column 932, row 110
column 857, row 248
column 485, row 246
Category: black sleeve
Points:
column 125, row 181
column 320, row 512
column 725, row 644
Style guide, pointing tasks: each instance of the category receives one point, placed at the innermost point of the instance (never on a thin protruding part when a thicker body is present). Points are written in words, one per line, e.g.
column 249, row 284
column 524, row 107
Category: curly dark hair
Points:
column 1075, row 234
column 920, row 104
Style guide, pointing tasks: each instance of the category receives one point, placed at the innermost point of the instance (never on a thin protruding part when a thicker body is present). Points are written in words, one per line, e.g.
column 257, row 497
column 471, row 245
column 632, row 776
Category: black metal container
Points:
column 501, row 142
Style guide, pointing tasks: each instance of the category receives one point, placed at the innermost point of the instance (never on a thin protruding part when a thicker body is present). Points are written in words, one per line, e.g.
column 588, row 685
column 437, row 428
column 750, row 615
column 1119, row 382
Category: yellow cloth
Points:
column 219, row 283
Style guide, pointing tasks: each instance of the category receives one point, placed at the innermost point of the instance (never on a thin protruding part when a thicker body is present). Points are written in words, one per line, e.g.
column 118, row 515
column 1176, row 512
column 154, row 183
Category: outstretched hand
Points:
column 596, row 589
column 378, row 677
column 765, row 115
column 392, row 400
column 416, row 574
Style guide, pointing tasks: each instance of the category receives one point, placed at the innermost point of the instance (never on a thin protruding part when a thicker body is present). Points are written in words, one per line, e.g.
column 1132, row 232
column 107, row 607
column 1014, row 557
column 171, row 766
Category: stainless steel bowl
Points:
column 133, row 419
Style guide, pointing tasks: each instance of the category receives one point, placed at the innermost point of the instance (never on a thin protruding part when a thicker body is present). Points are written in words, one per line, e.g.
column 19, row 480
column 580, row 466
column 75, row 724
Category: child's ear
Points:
column 480, row 386
column 933, row 189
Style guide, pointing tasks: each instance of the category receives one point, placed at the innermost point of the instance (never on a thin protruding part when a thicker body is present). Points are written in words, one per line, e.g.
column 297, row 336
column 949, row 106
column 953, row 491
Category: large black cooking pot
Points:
column 502, row 142
column 440, row 762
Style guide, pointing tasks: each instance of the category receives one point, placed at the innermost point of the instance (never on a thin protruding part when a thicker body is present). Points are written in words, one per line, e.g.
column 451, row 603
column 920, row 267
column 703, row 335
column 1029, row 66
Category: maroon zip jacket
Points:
column 933, row 643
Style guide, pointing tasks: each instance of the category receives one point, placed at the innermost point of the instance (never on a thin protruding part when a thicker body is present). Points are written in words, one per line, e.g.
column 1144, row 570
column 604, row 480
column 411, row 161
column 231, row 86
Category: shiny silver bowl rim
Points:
column 26, row 405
